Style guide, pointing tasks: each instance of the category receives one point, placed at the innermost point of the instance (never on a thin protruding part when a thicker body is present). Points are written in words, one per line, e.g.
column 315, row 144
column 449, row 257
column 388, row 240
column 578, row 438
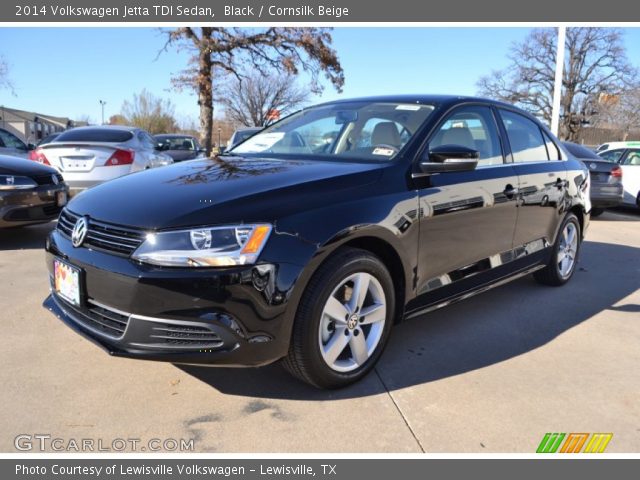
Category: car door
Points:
column 467, row 218
column 12, row 145
column 630, row 164
column 542, row 181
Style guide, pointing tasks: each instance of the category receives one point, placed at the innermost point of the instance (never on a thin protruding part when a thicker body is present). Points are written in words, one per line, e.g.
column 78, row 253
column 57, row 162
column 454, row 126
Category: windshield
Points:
column 177, row 143
column 360, row 130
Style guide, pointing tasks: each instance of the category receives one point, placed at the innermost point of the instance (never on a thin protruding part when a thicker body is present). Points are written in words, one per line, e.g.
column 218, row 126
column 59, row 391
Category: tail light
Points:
column 616, row 172
column 120, row 157
column 37, row 155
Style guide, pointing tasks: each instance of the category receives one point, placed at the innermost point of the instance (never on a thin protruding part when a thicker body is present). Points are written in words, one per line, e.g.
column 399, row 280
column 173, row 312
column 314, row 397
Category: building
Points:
column 32, row 127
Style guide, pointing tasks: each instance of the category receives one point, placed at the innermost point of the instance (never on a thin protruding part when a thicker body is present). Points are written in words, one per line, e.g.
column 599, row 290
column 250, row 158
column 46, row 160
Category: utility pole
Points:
column 102, row 104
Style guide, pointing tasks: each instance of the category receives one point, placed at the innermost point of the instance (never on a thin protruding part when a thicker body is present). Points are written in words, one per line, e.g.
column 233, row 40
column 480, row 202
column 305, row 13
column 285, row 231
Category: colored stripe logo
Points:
column 574, row 442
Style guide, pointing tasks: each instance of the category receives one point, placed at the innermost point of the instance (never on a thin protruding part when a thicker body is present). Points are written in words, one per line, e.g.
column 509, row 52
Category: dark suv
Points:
column 309, row 240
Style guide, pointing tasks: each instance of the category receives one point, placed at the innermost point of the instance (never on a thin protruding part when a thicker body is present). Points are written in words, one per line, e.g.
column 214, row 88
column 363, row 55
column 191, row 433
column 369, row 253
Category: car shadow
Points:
column 621, row 214
column 29, row 237
column 481, row 331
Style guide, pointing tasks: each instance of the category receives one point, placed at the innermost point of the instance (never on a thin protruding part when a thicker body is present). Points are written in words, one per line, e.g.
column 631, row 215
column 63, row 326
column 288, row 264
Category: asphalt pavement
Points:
column 491, row 374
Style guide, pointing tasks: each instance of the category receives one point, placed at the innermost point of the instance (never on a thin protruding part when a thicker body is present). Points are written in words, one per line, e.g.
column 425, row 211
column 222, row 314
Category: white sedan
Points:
column 88, row 156
column 629, row 160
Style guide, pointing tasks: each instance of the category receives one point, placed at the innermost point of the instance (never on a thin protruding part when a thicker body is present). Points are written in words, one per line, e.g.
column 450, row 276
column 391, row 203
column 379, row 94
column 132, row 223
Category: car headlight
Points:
column 12, row 182
column 204, row 247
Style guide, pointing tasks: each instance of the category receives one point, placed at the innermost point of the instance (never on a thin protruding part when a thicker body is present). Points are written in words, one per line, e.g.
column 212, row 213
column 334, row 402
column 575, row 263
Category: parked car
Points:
column 180, row 147
column 283, row 251
column 88, row 156
column 629, row 160
column 11, row 145
column 48, row 139
column 617, row 145
column 606, row 178
column 240, row 135
column 29, row 193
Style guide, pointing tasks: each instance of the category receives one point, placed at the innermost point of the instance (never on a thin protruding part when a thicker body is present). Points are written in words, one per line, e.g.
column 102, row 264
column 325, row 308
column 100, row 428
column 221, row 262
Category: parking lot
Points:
column 491, row 374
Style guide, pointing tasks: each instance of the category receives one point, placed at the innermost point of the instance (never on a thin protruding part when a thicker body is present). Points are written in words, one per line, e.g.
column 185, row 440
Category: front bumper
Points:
column 28, row 207
column 231, row 316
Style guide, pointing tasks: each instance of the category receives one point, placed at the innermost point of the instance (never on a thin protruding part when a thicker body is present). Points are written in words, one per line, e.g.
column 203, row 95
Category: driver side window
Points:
column 472, row 127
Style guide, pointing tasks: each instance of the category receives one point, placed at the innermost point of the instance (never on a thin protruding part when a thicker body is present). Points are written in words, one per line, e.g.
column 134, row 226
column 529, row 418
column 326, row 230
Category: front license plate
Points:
column 61, row 199
column 67, row 281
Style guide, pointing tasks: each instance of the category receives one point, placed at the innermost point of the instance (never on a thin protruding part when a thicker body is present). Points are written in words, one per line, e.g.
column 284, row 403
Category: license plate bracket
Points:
column 67, row 282
column 61, row 198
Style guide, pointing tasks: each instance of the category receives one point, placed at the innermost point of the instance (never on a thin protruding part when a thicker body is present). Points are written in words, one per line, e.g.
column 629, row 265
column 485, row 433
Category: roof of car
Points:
column 107, row 127
column 174, row 135
column 419, row 98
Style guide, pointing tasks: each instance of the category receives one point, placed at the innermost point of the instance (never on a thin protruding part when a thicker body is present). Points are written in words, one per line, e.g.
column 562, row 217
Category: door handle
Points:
column 509, row 191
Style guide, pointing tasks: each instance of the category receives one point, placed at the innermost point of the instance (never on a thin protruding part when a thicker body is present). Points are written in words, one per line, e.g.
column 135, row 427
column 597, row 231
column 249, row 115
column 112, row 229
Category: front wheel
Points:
column 564, row 258
column 343, row 321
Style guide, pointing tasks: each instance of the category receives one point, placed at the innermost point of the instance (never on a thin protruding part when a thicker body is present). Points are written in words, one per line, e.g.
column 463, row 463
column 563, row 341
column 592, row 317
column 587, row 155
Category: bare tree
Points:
column 256, row 100
column 595, row 64
column 620, row 111
column 218, row 51
column 5, row 81
column 154, row 114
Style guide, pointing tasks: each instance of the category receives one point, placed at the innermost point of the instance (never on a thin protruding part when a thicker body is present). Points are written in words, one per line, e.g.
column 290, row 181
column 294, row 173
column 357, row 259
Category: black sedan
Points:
column 180, row 147
column 311, row 239
column 30, row 193
column 606, row 178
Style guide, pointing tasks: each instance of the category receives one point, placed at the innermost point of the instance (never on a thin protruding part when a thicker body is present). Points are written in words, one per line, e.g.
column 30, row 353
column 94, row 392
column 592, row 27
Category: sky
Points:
column 66, row 71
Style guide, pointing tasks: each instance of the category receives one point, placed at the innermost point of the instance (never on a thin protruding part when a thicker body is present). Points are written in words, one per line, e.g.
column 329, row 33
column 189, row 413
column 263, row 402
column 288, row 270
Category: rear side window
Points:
column 612, row 155
column 95, row 135
column 525, row 137
column 552, row 149
column 633, row 158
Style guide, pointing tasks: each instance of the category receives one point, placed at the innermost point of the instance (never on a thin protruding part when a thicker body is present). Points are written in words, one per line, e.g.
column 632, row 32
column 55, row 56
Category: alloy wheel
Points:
column 352, row 322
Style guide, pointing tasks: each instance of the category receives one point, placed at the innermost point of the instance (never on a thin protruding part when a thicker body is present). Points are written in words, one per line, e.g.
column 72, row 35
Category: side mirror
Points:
column 450, row 158
column 160, row 147
column 31, row 146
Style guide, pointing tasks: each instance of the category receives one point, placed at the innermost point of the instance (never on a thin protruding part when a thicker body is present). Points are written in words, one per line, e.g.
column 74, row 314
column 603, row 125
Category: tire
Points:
column 310, row 359
column 554, row 273
column 596, row 212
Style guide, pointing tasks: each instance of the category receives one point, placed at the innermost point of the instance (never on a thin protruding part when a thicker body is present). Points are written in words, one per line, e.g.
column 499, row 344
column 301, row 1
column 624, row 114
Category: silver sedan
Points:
column 88, row 156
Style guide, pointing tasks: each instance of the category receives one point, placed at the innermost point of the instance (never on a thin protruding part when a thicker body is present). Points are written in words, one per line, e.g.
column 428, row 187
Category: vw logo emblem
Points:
column 592, row 166
column 79, row 231
column 54, row 179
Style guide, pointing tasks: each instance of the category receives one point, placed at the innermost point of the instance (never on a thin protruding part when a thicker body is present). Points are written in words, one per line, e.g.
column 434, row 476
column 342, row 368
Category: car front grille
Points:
column 47, row 179
column 103, row 236
column 100, row 319
column 188, row 336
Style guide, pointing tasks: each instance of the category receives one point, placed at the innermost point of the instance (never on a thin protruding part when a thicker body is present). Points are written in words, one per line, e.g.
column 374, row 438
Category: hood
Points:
column 22, row 166
column 221, row 190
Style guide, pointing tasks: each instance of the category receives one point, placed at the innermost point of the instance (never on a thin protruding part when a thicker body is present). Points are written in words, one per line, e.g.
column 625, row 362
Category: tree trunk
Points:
column 205, row 92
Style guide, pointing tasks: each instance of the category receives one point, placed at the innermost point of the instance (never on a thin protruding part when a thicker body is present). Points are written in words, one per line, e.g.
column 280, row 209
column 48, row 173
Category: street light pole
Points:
column 219, row 137
column 102, row 104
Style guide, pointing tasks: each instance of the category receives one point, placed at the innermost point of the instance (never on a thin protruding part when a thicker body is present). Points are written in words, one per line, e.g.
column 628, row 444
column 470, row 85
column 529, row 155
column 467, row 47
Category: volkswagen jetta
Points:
column 308, row 241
